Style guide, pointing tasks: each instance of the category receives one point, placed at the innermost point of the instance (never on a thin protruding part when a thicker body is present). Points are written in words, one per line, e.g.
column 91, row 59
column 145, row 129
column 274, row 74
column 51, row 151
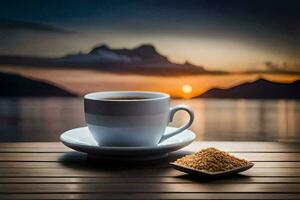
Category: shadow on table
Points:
column 77, row 160
column 205, row 179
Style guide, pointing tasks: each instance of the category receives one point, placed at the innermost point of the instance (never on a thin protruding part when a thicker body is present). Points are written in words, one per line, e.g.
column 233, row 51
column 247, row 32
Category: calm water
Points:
column 265, row 120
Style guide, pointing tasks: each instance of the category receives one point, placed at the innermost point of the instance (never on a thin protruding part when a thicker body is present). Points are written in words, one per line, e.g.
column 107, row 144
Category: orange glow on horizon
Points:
column 85, row 81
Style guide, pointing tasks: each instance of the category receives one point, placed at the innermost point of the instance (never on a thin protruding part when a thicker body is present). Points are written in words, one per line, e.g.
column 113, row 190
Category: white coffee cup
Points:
column 131, row 118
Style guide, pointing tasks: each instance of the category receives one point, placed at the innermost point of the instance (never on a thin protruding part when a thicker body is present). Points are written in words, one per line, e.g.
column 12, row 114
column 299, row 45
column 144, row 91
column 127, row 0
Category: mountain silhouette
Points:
column 143, row 53
column 141, row 60
column 259, row 89
column 16, row 86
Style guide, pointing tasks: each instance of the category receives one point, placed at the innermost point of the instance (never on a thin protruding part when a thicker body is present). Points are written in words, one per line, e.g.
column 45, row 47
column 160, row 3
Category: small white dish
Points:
column 80, row 139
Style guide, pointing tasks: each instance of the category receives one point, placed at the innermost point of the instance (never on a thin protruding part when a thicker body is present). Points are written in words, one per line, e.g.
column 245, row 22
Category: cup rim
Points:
column 100, row 96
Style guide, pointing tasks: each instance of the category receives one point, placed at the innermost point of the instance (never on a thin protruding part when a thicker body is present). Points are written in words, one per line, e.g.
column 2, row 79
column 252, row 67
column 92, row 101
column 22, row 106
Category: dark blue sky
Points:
column 201, row 31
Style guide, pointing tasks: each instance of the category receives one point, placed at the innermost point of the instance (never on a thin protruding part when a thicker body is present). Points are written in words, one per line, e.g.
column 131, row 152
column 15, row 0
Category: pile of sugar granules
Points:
column 211, row 160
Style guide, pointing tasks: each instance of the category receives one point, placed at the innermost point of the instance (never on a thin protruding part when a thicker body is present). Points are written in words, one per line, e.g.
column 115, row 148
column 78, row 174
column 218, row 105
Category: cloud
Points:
column 22, row 25
column 100, row 56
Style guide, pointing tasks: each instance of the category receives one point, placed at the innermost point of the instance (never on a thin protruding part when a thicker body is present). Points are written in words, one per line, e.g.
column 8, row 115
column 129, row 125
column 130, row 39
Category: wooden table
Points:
column 52, row 171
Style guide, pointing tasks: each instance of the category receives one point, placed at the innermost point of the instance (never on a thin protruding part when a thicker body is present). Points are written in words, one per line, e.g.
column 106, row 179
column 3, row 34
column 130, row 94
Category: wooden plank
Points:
column 30, row 144
column 73, row 156
column 92, row 165
column 196, row 146
column 44, row 157
column 157, row 164
column 73, row 171
column 277, row 164
column 158, row 180
column 149, row 187
column 246, row 146
column 148, row 196
column 34, row 150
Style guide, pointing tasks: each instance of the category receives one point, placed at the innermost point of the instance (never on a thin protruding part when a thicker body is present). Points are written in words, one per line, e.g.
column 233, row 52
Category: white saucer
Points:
column 81, row 140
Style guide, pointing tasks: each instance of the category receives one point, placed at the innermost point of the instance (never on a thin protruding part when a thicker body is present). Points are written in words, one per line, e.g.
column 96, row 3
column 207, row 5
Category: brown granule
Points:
column 211, row 160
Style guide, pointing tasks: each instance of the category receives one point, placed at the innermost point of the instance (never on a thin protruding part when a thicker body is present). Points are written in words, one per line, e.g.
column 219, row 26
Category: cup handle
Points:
column 183, row 127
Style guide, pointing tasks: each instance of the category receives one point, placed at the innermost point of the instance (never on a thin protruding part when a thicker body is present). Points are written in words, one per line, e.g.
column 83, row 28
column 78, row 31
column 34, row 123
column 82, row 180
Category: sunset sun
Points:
column 187, row 89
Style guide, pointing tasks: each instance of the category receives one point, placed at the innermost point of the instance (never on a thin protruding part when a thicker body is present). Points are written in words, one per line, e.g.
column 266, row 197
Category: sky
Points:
column 226, row 35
